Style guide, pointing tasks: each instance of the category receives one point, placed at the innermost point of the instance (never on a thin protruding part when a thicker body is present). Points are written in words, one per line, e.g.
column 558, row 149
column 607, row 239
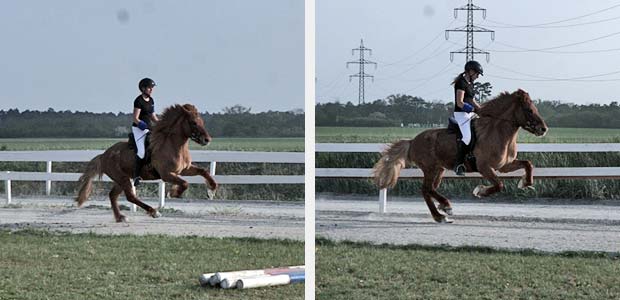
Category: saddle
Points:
column 470, row 159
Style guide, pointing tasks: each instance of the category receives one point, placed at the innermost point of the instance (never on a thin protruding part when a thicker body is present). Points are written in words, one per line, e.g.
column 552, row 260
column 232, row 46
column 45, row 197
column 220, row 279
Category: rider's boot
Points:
column 461, row 151
column 137, row 170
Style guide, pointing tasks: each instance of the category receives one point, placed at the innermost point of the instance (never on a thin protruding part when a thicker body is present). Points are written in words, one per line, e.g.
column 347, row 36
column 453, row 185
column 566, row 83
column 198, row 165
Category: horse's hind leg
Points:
column 444, row 203
column 114, row 193
column 427, row 193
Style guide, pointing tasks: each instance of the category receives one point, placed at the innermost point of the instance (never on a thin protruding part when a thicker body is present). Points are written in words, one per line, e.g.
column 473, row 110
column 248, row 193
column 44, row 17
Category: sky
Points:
column 566, row 51
column 90, row 55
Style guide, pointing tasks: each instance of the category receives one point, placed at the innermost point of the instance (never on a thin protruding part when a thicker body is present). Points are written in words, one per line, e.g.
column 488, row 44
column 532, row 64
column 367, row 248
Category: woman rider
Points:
column 143, row 116
column 464, row 108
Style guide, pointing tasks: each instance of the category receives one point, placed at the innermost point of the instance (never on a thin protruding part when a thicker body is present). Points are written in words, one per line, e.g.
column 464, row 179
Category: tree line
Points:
column 234, row 121
column 405, row 110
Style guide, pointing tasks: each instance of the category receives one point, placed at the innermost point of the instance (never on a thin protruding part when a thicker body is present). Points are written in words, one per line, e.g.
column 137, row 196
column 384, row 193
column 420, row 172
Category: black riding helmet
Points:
column 473, row 65
column 146, row 82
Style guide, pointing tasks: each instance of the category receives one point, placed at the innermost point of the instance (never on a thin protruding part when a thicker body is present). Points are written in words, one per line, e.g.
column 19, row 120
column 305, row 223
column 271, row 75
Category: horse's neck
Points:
column 497, row 131
column 172, row 140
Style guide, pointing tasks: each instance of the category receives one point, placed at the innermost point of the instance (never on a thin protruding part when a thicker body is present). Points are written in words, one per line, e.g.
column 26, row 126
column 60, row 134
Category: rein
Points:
column 514, row 122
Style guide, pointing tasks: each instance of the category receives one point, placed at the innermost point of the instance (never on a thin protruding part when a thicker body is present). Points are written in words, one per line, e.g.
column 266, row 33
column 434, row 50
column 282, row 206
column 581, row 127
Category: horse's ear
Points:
column 189, row 110
column 523, row 95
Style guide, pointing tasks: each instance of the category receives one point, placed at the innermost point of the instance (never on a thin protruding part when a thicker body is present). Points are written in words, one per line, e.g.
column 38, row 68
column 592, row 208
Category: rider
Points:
column 464, row 108
column 143, row 116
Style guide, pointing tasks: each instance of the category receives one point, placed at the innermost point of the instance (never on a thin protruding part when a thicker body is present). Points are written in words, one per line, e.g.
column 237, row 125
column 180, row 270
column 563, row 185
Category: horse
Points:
column 169, row 158
column 434, row 151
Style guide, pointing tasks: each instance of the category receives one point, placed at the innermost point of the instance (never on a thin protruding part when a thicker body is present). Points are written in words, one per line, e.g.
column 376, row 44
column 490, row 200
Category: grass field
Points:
column 40, row 265
column 364, row 271
column 222, row 144
column 390, row 134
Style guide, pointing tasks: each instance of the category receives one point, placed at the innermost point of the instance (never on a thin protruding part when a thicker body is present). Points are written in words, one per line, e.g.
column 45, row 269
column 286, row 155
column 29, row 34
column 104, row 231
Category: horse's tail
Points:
column 392, row 160
column 86, row 180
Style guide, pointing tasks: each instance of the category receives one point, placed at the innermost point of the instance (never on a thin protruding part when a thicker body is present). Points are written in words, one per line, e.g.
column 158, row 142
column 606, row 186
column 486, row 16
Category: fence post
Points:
column 383, row 201
column 162, row 193
column 134, row 208
column 8, row 190
column 212, row 168
column 48, row 183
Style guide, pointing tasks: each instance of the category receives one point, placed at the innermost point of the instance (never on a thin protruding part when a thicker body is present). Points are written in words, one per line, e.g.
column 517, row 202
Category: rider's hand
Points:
column 142, row 125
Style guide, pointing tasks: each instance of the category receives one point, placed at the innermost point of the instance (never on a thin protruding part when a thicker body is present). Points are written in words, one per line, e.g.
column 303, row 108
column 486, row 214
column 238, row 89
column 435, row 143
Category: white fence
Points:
column 563, row 173
column 197, row 156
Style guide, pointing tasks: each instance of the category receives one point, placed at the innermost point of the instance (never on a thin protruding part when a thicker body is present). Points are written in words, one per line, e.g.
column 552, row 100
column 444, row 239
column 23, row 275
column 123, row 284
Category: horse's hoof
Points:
column 446, row 209
column 155, row 214
column 478, row 190
column 213, row 185
column 522, row 185
column 121, row 219
column 444, row 220
column 210, row 194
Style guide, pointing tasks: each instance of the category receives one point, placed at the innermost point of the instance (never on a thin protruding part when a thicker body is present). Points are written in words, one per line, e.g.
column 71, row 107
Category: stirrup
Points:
column 136, row 181
column 460, row 170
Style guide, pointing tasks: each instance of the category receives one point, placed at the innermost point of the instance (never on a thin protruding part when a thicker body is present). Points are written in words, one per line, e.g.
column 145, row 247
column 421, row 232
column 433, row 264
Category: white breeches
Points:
column 139, row 136
column 463, row 118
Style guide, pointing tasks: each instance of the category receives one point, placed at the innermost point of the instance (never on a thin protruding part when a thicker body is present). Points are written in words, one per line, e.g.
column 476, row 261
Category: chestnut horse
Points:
column 169, row 158
column 434, row 151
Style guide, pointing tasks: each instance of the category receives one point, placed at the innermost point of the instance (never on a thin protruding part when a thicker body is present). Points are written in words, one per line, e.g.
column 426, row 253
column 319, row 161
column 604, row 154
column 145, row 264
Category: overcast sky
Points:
column 408, row 43
column 90, row 55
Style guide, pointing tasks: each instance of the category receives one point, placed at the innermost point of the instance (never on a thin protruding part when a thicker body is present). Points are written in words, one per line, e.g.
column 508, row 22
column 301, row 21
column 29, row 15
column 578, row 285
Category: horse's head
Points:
column 527, row 116
column 194, row 128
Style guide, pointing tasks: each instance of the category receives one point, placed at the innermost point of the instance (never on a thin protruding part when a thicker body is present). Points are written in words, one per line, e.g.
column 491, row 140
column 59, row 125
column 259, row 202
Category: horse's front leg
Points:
column 194, row 170
column 488, row 173
column 178, row 184
column 527, row 181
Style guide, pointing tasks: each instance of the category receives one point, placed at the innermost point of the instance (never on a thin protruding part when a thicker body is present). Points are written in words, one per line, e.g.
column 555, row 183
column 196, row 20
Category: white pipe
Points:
column 261, row 281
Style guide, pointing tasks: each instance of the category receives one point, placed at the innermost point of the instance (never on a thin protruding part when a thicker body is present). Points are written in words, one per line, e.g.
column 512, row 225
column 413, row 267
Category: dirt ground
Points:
column 260, row 219
column 544, row 227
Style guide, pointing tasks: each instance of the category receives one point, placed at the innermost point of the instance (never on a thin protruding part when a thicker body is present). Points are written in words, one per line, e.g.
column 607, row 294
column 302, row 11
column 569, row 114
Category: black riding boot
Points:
column 137, row 170
column 461, row 151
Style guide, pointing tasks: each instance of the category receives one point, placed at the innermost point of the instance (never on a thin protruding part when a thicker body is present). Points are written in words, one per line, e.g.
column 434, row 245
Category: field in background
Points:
column 37, row 265
column 390, row 134
column 365, row 271
column 222, row 144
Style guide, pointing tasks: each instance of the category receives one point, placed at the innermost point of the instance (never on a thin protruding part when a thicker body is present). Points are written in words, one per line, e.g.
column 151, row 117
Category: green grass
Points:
column 417, row 272
column 390, row 134
column 41, row 265
column 222, row 144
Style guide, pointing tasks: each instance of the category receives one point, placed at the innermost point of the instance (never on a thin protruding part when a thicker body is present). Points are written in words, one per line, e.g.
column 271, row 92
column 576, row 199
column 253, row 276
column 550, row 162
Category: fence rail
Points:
column 555, row 173
column 197, row 156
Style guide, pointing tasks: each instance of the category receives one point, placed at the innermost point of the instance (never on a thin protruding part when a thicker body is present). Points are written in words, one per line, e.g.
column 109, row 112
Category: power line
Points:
column 423, row 81
column 586, row 78
column 437, row 52
column 470, row 28
column 384, row 64
column 555, row 47
column 560, row 21
column 556, row 26
column 557, row 52
column 361, row 75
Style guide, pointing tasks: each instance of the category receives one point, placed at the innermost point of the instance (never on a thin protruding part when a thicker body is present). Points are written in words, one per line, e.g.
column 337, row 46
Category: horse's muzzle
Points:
column 541, row 130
